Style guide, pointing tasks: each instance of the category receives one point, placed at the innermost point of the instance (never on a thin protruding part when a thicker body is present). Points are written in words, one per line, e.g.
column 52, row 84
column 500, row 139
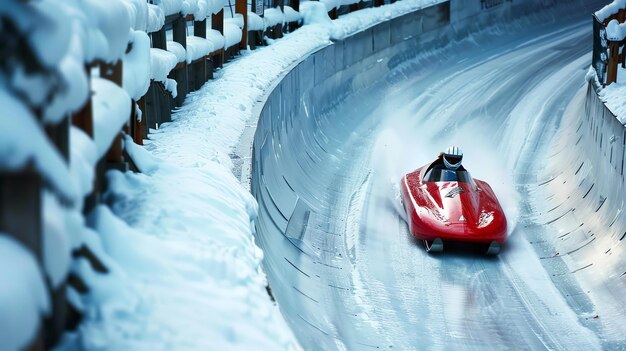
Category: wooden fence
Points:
column 21, row 212
column 607, row 54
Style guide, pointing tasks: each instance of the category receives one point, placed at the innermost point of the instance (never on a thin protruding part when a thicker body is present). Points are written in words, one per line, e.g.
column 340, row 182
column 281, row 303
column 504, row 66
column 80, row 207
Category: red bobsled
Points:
column 446, row 205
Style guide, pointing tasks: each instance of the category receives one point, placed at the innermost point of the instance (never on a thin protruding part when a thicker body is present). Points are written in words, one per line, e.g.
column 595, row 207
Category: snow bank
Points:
column 291, row 15
column 359, row 20
column 273, row 16
column 255, row 22
column 198, row 47
column 111, row 110
column 610, row 9
column 23, row 297
column 232, row 34
column 613, row 96
column 186, row 244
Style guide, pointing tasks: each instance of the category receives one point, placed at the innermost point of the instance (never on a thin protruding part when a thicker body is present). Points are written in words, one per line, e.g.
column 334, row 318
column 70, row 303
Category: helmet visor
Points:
column 453, row 160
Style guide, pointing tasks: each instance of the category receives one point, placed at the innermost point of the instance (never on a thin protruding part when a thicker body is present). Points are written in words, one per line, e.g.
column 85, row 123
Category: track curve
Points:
column 360, row 281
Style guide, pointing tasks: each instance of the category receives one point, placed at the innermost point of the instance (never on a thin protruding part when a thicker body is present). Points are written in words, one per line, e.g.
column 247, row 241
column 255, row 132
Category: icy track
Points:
column 351, row 276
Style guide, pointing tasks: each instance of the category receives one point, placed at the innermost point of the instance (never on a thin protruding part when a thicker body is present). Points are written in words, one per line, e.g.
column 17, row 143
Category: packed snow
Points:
column 613, row 94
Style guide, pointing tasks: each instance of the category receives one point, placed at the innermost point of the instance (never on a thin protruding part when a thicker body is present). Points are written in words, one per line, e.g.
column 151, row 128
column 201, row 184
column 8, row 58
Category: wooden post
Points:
column 179, row 28
column 241, row 6
column 136, row 130
column 199, row 30
column 114, row 74
column 83, row 119
column 217, row 23
column 611, row 70
column 159, row 39
column 20, row 209
column 333, row 14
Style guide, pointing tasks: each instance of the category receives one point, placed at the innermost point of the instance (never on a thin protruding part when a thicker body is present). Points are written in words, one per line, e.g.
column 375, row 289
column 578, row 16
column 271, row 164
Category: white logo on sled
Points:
column 462, row 219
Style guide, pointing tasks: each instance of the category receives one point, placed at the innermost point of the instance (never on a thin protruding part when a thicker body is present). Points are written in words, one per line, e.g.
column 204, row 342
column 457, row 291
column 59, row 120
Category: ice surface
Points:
column 23, row 297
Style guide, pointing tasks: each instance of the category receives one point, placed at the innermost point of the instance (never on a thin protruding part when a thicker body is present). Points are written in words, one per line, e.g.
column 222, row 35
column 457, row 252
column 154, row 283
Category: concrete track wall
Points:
column 581, row 194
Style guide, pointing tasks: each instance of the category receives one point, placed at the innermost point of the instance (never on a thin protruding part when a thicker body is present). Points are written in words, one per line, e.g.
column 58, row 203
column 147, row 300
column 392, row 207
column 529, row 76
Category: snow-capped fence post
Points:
column 114, row 74
column 255, row 37
column 156, row 103
column 293, row 25
column 204, row 66
column 611, row 70
column 83, row 119
column 179, row 74
column 217, row 23
column 241, row 7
